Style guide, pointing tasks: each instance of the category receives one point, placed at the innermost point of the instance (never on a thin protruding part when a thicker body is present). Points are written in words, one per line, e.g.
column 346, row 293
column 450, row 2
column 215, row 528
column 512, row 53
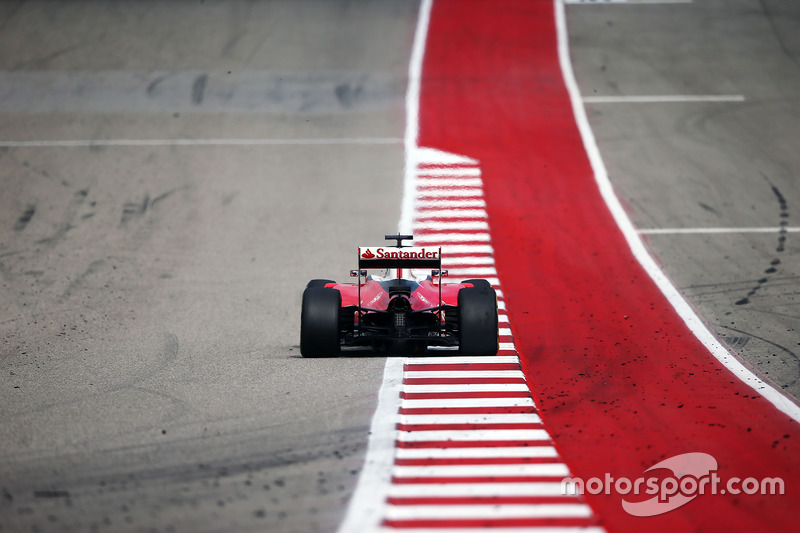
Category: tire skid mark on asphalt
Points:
column 471, row 450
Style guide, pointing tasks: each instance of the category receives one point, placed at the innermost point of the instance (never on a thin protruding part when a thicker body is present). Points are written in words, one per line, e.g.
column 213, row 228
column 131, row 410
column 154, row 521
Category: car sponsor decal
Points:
column 369, row 253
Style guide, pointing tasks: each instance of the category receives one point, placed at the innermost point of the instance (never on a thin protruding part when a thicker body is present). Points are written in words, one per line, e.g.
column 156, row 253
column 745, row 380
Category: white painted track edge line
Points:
column 702, row 231
column 84, row 143
column 412, row 116
column 665, row 99
column 367, row 506
column 681, row 306
column 478, row 452
column 624, row 2
column 488, row 511
column 520, row 529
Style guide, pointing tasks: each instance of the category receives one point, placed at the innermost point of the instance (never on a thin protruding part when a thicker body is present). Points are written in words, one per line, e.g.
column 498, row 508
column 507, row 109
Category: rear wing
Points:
column 399, row 257
column 406, row 257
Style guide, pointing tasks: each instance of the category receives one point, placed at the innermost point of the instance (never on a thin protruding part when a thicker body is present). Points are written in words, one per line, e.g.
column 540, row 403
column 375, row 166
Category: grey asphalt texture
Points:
column 150, row 376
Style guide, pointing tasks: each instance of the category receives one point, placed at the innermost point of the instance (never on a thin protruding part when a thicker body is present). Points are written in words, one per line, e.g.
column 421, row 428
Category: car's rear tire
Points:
column 477, row 321
column 478, row 283
column 319, row 322
column 319, row 283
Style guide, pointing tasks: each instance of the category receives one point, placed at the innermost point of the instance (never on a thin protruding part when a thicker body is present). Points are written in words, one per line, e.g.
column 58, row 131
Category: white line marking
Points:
column 444, row 238
column 468, row 402
column 432, row 156
column 452, row 249
column 421, row 512
column 522, row 529
column 636, row 245
column 367, row 505
column 449, row 183
column 448, row 171
column 436, row 374
column 617, row 2
column 465, row 359
column 455, row 262
column 477, row 271
column 663, row 99
column 450, row 204
column 540, row 488
column 453, row 225
column 525, row 452
column 695, row 231
column 410, row 140
column 523, row 469
column 473, row 435
column 471, row 387
column 488, row 418
column 467, row 192
column 193, row 142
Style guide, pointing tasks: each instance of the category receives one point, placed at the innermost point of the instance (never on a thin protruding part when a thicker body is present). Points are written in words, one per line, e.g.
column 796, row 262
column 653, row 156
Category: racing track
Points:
column 150, row 370
column 151, row 378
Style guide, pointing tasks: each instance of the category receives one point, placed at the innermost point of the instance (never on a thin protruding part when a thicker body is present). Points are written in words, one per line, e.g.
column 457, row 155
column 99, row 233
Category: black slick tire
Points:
column 478, row 283
column 319, row 322
column 477, row 321
column 319, row 283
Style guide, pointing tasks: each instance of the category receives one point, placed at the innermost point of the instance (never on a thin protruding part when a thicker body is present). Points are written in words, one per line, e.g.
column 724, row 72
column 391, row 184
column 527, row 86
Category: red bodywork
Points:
column 375, row 298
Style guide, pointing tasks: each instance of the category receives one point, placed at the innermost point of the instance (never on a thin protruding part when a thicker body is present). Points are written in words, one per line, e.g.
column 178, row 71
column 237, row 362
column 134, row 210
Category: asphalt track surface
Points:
column 151, row 378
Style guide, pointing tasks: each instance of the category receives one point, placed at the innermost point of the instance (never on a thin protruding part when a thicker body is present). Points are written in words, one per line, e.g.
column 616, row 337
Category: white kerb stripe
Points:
column 448, row 171
column 449, row 204
column 469, row 402
column 450, row 183
column 468, row 192
column 474, row 435
column 450, row 213
column 473, row 271
column 540, row 488
column 525, row 469
column 467, row 387
column 504, row 452
column 463, row 225
column 524, row 529
column 467, row 249
column 432, row 156
column 469, row 260
column 465, row 359
column 445, row 238
column 548, row 510
column 464, row 374
column 493, row 418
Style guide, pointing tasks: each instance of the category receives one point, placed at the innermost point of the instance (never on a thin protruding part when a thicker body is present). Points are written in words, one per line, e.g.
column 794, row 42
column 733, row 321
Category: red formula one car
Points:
column 403, row 310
